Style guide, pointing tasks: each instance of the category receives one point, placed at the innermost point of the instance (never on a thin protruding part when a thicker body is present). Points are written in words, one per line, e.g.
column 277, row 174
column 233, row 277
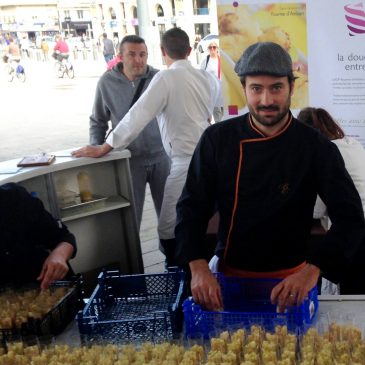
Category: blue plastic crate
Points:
column 138, row 308
column 247, row 302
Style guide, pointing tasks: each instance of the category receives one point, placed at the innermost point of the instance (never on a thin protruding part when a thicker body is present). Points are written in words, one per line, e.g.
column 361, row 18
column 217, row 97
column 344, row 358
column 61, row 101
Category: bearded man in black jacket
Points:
column 263, row 172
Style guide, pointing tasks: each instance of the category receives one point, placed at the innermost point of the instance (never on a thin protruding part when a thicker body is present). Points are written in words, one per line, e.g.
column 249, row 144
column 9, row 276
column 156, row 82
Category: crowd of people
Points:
column 40, row 48
column 266, row 173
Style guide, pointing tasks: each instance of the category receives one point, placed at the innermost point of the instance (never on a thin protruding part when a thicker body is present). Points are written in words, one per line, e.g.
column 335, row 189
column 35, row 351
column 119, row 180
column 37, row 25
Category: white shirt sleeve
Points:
column 203, row 63
column 149, row 105
column 320, row 209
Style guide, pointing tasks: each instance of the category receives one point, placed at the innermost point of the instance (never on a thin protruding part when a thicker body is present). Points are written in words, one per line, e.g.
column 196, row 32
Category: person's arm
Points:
column 98, row 124
column 92, row 151
column 149, row 105
column 55, row 266
column 204, row 286
column 332, row 256
column 320, row 209
column 49, row 234
column 335, row 253
column 203, row 64
column 194, row 209
column 294, row 289
column 98, row 127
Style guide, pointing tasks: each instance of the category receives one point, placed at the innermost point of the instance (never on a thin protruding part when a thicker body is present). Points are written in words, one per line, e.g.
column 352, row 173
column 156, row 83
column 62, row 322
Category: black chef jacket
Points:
column 264, row 189
column 27, row 235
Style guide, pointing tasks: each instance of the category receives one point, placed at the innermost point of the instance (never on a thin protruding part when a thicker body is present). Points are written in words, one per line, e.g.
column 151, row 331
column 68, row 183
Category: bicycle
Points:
column 63, row 66
column 14, row 69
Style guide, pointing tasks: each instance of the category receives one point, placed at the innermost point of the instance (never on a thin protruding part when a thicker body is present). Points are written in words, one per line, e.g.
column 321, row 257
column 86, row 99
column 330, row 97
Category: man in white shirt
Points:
column 182, row 98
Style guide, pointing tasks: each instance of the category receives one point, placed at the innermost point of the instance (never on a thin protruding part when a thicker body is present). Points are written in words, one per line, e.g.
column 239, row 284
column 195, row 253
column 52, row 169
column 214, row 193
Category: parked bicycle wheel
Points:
column 71, row 72
column 59, row 69
column 21, row 76
column 20, row 72
column 10, row 74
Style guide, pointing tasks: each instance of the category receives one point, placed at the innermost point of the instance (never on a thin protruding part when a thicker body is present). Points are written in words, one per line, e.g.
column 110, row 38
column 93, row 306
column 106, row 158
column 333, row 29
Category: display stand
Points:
column 105, row 227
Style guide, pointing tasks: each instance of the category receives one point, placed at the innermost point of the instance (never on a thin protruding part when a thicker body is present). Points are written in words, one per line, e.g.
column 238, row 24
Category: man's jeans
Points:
column 108, row 57
column 154, row 172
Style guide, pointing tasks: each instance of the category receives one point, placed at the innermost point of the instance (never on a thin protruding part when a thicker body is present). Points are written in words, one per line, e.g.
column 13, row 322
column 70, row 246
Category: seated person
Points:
column 34, row 245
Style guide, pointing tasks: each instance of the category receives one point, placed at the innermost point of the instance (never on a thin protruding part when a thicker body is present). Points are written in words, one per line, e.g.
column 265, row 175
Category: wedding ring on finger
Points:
column 292, row 295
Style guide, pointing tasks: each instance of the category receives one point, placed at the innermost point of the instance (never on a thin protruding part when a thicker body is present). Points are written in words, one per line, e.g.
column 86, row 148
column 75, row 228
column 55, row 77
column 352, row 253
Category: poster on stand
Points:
column 326, row 40
column 337, row 62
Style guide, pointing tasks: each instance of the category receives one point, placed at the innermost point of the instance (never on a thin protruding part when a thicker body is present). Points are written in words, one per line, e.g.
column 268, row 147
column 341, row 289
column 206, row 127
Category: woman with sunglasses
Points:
column 212, row 64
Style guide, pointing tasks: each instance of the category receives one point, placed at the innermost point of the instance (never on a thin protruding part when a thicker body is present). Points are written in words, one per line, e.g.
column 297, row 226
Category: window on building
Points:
column 123, row 10
column 80, row 14
column 67, row 13
column 202, row 29
column 113, row 16
column 173, row 7
column 201, row 7
column 135, row 20
column 160, row 11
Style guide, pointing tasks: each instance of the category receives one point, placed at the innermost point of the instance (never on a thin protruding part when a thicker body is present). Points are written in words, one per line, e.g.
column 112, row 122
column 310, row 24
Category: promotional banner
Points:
column 326, row 40
column 336, row 55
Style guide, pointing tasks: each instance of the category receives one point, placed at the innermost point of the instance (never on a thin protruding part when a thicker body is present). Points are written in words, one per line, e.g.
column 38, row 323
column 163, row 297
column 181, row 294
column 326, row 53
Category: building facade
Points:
column 91, row 18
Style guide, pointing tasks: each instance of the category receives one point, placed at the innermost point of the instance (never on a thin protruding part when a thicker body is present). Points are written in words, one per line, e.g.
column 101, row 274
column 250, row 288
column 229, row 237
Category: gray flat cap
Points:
column 265, row 58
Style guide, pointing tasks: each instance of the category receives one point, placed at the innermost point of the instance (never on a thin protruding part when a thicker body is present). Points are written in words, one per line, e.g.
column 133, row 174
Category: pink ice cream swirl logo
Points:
column 355, row 16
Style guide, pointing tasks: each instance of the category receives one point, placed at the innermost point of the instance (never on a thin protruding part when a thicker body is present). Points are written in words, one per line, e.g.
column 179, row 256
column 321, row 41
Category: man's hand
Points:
column 92, row 151
column 293, row 289
column 204, row 286
column 55, row 266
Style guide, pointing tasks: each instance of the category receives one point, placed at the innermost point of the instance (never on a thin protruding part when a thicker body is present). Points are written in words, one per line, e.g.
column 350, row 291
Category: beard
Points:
column 269, row 121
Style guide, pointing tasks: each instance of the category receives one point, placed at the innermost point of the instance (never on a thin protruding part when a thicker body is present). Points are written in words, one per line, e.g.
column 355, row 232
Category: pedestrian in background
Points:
column 212, row 64
column 116, row 92
column 182, row 98
column 116, row 44
column 114, row 61
column 13, row 50
column 108, row 48
column 45, row 49
column 24, row 46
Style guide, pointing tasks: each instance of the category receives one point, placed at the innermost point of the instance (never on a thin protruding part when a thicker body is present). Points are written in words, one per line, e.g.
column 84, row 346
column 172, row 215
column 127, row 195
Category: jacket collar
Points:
column 284, row 128
column 180, row 64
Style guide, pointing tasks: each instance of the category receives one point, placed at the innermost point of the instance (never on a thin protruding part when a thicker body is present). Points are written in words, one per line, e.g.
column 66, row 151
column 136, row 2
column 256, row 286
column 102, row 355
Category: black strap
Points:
column 206, row 64
column 136, row 96
column 138, row 92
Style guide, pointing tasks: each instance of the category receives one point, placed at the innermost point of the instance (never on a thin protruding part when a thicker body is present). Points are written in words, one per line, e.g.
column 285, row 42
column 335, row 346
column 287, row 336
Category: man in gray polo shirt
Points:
column 116, row 92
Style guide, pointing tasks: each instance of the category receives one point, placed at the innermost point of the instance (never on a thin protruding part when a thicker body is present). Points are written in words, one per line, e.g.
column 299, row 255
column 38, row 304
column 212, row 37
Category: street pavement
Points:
column 47, row 114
